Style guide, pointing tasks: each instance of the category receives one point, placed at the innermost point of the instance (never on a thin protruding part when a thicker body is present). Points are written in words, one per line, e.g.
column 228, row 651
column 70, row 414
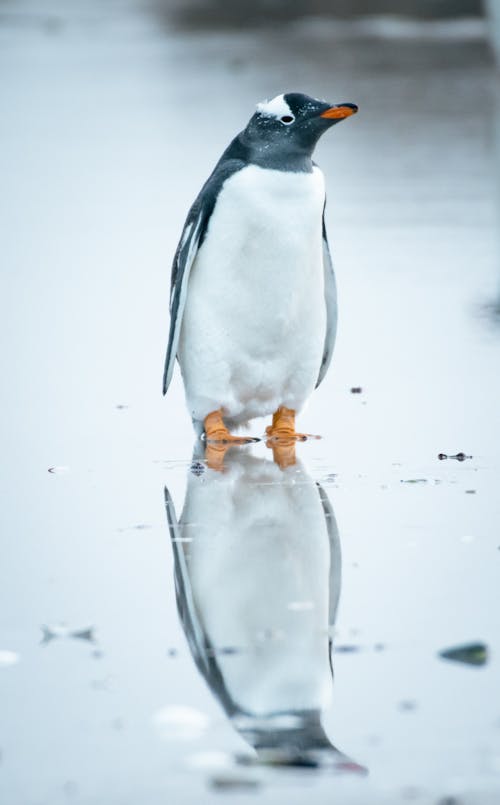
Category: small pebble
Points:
column 232, row 783
column 469, row 654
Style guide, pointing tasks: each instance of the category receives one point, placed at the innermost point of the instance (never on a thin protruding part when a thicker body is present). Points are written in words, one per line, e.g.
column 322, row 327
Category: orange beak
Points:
column 339, row 112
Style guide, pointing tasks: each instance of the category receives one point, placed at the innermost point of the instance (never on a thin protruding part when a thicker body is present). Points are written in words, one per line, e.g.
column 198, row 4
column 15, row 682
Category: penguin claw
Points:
column 284, row 436
column 229, row 440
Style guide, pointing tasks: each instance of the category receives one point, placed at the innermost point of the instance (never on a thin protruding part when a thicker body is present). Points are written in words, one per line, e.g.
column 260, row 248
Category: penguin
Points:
column 257, row 567
column 253, row 303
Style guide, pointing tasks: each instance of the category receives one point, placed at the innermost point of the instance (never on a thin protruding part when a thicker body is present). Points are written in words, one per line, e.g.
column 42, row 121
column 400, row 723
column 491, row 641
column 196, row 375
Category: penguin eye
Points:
column 287, row 119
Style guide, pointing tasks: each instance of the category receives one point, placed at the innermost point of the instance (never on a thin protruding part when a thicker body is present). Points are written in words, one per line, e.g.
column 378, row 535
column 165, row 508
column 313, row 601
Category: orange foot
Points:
column 216, row 431
column 283, row 426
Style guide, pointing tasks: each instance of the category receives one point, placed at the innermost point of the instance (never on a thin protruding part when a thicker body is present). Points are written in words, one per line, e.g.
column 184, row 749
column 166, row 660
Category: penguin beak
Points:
column 340, row 111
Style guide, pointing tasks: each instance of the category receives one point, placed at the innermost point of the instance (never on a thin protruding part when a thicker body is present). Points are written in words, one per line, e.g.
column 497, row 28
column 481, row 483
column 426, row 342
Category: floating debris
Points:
column 60, row 630
column 414, row 481
column 356, row 389
column 457, row 457
column 469, row 654
column 121, row 407
column 58, row 470
column 172, row 652
column 470, row 491
column 347, row 648
column 8, row 658
column 232, row 782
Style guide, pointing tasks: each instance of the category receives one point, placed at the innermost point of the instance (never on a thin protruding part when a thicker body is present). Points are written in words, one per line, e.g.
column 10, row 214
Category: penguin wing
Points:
column 184, row 595
column 331, row 307
column 335, row 554
column 191, row 240
column 203, row 653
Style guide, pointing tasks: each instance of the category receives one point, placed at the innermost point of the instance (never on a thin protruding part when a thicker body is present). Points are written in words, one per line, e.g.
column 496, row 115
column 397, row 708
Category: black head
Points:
column 283, row 133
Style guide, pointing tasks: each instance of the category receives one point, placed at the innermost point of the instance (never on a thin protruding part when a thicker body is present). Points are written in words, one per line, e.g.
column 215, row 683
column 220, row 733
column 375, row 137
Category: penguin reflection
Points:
column 257, row 574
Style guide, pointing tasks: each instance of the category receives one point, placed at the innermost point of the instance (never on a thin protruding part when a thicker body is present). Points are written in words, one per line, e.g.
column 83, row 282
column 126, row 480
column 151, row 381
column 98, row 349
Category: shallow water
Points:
column 110, row 122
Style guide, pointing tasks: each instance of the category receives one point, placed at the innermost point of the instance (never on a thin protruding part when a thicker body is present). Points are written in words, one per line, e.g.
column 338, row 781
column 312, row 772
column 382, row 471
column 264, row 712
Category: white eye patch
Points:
column 278, row 107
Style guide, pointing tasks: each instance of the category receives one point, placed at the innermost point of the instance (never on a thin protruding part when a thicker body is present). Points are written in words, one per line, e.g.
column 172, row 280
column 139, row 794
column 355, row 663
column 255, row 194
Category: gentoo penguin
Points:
column 253, row 300
column 257, row 575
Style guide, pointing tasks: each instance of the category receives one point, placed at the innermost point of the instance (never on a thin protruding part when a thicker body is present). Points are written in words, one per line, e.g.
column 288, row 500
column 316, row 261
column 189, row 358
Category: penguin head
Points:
column 287, row 128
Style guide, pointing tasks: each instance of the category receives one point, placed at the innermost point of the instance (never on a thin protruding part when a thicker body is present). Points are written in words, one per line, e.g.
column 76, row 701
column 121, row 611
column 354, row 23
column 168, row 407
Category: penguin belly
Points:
column 254, row 325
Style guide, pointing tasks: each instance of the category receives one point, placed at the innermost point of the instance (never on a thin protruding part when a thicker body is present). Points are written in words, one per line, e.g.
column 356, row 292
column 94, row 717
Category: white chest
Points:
column 267, row 221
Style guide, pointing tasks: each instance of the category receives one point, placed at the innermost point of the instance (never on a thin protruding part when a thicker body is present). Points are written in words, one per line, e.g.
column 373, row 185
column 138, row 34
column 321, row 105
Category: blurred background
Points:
column 112, row 114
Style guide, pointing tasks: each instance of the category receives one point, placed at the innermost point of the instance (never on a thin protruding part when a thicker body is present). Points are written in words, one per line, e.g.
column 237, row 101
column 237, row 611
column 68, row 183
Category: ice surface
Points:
column 111, row 119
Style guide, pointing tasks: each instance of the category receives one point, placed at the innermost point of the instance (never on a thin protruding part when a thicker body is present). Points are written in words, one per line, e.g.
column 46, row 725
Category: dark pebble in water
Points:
column 121, row 407
column 172, row 652
column 356, row 390
column 457, row 457
column 347, row 649
column 60, row 631
column 230, row 783
column 197, row 468
column 469, row 654
column 470, row 491
column 84, row 634
column 449, row 801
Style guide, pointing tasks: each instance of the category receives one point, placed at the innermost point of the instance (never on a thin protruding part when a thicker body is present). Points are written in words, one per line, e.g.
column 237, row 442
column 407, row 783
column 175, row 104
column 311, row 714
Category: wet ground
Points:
column 152, row 656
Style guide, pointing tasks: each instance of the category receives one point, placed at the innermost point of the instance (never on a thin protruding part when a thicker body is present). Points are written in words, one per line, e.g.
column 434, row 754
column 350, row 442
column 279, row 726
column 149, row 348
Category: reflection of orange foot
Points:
column 283, row 452
column 283, row 426
column 215, row 453
column 216, row 431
